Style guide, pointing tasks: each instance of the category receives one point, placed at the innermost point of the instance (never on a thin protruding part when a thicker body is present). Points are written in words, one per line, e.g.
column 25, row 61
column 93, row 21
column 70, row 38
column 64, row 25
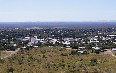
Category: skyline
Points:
column 57, row 10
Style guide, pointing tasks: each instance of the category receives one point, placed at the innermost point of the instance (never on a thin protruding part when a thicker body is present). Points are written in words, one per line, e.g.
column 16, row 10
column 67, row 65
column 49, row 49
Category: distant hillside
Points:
column 60, row 24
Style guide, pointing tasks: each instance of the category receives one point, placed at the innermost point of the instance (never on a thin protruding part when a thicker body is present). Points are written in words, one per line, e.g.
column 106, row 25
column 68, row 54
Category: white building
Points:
column 53, row 41
column 113, row 49
column 96, row 48
column 94, row 40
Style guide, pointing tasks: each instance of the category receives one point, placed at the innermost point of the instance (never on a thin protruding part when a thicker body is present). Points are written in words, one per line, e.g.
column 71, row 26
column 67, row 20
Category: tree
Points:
column 74, row 45
column 88, row 47
column 97, row 51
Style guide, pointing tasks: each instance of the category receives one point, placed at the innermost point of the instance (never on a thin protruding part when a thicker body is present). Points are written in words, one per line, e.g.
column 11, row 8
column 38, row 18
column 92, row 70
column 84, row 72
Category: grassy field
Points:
column 57, row 60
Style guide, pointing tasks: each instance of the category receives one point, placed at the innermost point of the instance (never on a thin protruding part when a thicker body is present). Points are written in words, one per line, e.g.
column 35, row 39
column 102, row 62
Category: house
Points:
column 81, row 47
column 113, row 49
column 69, row 39
column 12, row 44
column 53, row 41
column 111, row 35
column 94, row 40
column 35, row 46
column 32, row 40
column 42, row 40
column 26, row 39
column 114, row 42
column 66, row 44
column 81, row 52
column 96, row 48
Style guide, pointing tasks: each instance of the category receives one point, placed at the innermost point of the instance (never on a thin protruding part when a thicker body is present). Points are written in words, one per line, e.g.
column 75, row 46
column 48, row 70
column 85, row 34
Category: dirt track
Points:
column 109, row 52
column 9, row 53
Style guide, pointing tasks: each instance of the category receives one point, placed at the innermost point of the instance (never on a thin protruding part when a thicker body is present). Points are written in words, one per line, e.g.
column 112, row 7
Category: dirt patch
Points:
column 109, row 52
column 5, row 54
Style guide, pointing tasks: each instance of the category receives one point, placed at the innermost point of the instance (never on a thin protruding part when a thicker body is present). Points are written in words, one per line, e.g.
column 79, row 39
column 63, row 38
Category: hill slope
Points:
column 57, row 60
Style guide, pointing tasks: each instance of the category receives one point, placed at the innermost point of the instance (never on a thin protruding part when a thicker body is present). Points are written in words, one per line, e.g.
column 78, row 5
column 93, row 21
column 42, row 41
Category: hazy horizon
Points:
column 57, row 10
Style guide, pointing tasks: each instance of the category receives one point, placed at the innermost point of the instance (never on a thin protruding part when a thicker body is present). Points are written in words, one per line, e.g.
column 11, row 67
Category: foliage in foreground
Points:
column 57, row 60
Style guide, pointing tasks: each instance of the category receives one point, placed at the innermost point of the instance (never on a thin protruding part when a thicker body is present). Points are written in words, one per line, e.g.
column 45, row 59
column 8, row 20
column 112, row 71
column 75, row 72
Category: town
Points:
column 96, row 40
column 31, row 49
column 57, row 36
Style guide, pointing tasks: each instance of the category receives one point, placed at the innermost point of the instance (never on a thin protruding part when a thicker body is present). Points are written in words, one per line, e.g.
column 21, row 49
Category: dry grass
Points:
column 57, row 60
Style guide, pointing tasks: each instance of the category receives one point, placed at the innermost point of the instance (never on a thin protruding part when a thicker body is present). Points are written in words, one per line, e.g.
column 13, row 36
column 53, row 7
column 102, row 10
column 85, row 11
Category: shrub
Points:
column 93, row 62
column 10, row 70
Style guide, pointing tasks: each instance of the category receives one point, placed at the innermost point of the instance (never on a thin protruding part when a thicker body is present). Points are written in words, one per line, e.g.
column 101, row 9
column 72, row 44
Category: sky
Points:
column 57, row 10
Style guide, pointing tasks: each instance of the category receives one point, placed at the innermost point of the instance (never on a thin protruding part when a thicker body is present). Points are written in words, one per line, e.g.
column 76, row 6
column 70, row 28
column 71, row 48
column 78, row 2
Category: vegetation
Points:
column 82, row 49
column 57, row 60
